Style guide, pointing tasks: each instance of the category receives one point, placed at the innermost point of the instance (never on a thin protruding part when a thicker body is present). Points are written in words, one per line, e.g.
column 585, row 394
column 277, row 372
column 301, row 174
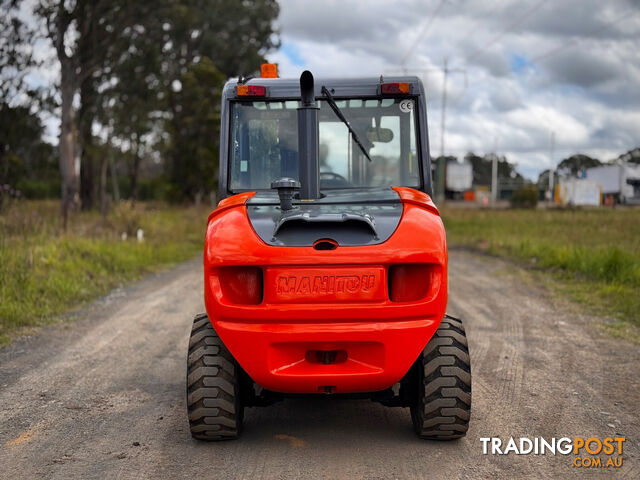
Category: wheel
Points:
column 213, row 388
column 442, row 406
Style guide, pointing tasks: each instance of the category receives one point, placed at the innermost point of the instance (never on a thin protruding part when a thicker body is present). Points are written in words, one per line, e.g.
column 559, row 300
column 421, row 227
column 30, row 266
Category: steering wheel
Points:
column 332, row 179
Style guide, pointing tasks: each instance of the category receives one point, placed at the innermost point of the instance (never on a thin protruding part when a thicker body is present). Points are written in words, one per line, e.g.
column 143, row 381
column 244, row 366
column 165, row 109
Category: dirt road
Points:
column 104, row 397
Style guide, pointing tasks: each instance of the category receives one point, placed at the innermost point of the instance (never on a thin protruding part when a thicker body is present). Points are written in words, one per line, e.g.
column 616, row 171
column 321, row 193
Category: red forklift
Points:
column 325, row 262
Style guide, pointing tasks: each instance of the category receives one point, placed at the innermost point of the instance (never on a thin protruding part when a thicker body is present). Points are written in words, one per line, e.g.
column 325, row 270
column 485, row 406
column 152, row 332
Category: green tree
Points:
column 69, row 26
column 632, row 156
column 126, row 60
column 574, row 164
column 195, row 131
column 482, row 169
column 22, row 151
column 117, row 64
column 543, row 179
column 183, row 45
column 16, row 55
column 524, row 197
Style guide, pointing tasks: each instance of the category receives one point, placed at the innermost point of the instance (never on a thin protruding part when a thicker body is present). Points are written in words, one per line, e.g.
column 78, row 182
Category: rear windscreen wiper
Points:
column 339, row 114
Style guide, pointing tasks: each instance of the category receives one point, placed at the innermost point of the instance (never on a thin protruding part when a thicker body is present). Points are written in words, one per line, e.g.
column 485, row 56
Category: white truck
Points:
column 578, row 192
column 621, row 180
column 458, row 178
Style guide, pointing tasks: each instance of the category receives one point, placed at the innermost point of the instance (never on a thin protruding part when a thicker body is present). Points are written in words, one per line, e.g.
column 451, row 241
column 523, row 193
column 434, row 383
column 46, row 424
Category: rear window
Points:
column 264, row 144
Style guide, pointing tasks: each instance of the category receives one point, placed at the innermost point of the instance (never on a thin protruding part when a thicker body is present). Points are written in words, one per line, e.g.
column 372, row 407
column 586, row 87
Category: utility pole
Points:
column 494, row 172
column 551, row 166
column 440, row 167
column 440, row 172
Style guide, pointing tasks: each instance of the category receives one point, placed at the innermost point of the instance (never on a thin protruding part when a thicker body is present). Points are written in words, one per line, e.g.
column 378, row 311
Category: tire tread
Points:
column 443, row 407
column 213, row 398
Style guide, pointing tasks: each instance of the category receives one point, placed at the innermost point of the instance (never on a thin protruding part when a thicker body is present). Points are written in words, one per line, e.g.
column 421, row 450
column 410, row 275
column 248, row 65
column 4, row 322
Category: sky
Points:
column 521, row 72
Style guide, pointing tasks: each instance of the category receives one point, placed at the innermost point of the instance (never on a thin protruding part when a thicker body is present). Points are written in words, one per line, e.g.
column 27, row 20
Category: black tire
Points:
column 213, row 389
column 442, row 406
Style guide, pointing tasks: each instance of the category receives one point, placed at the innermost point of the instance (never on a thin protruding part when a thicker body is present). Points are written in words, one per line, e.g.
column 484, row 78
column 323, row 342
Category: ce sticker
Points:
column 406, row 106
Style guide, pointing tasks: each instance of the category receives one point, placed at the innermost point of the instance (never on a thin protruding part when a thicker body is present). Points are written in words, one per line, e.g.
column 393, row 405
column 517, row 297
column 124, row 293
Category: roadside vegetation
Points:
column 45, row 272
column 593, row 254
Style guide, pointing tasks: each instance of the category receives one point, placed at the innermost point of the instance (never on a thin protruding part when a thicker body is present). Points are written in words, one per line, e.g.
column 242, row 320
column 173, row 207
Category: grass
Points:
column 45, row 272
column 592, row 254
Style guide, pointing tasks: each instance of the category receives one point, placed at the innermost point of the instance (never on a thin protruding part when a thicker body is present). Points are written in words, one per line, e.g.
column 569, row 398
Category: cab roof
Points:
column 339, row 87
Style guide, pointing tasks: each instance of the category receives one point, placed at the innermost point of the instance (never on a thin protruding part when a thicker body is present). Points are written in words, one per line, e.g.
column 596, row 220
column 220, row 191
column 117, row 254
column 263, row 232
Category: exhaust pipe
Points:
column 308, row 140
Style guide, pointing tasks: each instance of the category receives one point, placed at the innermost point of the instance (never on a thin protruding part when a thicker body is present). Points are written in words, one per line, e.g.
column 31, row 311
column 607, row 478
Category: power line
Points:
column 511, row 26
column 552, row 166
column 573, row 41
column 440, row 171
column 536, row 149
column 424, row 29
column 471, row 31
column 445, row 70
column 555, row 50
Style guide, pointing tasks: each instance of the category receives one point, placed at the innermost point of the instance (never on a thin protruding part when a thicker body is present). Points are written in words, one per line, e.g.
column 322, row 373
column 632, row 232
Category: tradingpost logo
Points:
column 591, row 452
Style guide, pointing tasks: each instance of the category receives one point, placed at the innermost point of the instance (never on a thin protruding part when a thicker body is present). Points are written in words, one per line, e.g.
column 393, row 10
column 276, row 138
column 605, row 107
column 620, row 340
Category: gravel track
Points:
column 103, row 397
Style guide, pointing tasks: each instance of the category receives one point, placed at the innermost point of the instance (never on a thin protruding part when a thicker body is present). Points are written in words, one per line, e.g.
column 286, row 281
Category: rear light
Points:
column 241, row 285
column 269, row 70
column 394, row 88
column 411, row 282
column 416, row 197
column 251, row 90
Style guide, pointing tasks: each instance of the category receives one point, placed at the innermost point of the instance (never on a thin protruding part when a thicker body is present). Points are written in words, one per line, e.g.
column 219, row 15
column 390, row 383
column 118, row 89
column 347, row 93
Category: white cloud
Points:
column 585, row 90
